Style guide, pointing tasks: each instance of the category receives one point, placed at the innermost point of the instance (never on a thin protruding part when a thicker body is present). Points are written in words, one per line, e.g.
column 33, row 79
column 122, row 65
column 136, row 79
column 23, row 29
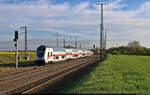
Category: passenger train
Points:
column 47, row 54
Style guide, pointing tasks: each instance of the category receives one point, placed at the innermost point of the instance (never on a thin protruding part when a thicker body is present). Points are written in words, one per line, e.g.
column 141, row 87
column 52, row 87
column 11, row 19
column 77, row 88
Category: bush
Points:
column 129, row 50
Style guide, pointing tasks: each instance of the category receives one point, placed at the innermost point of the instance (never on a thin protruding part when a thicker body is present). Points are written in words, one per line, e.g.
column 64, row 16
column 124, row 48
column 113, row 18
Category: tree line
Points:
column 133, row 48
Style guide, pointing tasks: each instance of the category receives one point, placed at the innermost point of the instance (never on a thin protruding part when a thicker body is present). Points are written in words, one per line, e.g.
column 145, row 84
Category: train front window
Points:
column 41, row 51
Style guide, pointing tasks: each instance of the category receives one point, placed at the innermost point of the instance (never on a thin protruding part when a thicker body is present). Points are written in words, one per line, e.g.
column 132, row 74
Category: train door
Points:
column 60, row 56
column 56, row 56
column 64, row 56
column 51, row 54
column 48, row 56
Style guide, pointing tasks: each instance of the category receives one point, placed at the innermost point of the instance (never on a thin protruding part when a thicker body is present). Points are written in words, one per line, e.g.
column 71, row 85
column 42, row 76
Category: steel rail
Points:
column 59, row 77
column 31, row 84
column 40, row 73
column 6, row 84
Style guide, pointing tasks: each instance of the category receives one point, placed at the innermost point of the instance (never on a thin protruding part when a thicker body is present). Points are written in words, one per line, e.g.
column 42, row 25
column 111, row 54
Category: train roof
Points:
column 46, row 46
column 63, row 49
column 75, row 50
column 59, row 49
column 54, row 49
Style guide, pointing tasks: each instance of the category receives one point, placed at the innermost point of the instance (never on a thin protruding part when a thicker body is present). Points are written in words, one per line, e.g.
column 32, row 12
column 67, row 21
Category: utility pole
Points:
column 57, row 40
column 26, row 55
column 105, row 37
column 101, row 32
column 64, row 42
column 26, row 44
column 105, row 42
column 70, row 39
column 76, row 42
column 17, row 53
column 16, row 45
column 80, row 46
column 94, row 48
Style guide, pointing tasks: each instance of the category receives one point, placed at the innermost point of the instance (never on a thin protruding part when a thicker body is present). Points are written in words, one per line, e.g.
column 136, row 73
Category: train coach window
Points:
column 57, row 57
column 75, row 55
column 63, row 56
column 51, row 53
column 48, row 54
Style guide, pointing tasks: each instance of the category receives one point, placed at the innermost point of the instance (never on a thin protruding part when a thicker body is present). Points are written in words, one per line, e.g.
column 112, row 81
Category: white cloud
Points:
column 81, row 6
column 115, row 5
column 77, row 20
column 145, row 8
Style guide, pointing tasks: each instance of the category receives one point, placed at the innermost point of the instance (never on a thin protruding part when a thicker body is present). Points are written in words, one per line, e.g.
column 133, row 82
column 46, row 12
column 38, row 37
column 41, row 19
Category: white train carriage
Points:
column 80, row 53
column 56, row 54
column 75, row 53
column 47, row 54
column 69, row 53
column 84, row 53
column 89, row 53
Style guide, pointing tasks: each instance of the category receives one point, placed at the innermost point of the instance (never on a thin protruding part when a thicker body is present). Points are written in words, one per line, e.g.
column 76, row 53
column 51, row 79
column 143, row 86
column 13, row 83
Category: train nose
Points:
column 42, row 58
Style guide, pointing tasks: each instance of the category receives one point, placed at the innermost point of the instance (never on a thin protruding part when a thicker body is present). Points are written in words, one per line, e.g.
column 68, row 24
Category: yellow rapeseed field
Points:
column 18, row 52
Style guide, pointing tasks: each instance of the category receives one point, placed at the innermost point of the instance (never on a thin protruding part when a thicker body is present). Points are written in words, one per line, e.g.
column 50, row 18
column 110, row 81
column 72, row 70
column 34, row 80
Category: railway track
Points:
column 20, row 70
column 31, row 80
column 11, row 74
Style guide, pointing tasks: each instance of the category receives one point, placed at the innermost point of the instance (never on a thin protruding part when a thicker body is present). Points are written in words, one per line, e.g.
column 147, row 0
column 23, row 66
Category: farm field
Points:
column 117, row 74
column 5, row 52
column 7, row 59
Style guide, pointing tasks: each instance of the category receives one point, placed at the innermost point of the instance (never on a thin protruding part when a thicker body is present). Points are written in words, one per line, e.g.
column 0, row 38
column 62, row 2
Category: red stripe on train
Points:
column 65, row 55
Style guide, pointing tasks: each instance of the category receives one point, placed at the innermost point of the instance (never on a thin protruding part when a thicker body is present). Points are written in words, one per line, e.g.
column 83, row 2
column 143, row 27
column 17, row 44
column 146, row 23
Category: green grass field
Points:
column 117, row 74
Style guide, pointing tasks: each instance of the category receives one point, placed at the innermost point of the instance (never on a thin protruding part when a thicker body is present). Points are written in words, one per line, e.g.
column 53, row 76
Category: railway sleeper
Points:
column 33, row 84
column 51, row 82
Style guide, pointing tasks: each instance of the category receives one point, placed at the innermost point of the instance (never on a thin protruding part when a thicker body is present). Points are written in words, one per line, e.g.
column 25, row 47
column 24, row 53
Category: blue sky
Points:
column 132, row 4
column 124, row 19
